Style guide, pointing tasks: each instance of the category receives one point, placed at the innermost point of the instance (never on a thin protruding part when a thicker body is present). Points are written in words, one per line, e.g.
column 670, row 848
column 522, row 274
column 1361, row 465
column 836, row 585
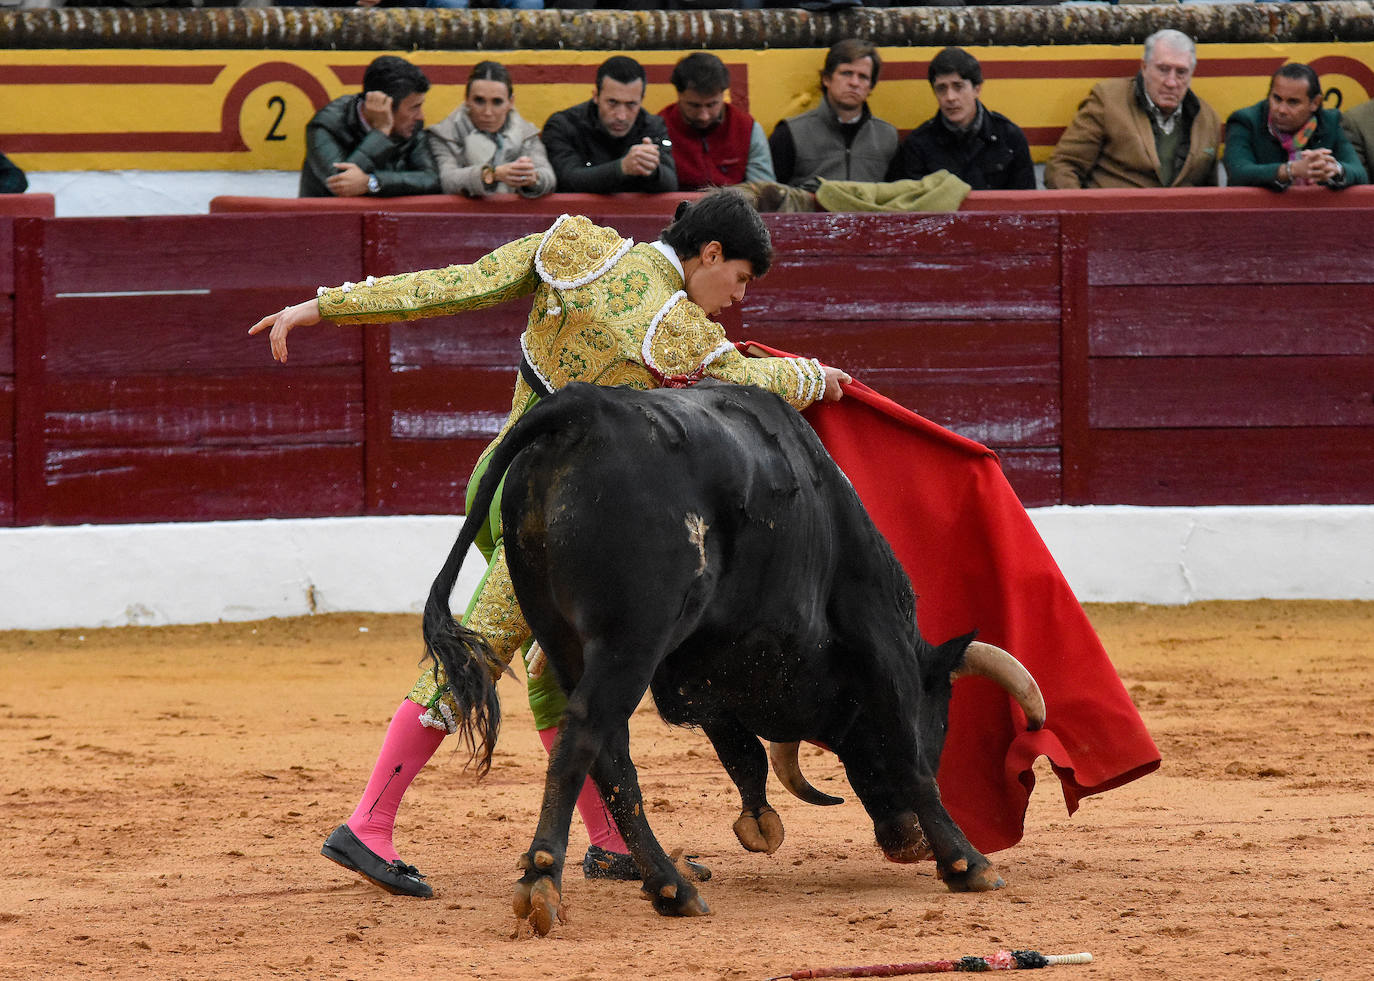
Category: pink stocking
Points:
column 405, row 750
column 601, row 827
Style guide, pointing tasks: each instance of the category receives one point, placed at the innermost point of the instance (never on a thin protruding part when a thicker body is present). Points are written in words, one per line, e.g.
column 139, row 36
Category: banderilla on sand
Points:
column 1003, row 960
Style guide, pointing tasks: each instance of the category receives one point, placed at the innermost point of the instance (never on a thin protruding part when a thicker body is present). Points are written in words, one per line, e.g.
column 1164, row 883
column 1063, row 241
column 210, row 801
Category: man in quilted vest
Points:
column 840, row 139
column 715, row 143
column 605, row 311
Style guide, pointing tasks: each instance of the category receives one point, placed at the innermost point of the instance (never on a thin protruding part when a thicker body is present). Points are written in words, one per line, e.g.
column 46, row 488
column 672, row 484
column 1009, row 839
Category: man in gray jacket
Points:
column 372, row 143
column 840, row 139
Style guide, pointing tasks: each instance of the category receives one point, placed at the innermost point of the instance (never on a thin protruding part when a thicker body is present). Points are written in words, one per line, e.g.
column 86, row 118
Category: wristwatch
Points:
column 373, row 185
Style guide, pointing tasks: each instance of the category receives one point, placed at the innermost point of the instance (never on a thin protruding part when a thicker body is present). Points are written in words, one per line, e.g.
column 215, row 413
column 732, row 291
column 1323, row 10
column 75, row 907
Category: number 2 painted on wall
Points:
column 280, row 104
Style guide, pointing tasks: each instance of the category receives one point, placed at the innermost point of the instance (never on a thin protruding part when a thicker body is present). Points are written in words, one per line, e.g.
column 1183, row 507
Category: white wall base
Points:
column 152, row 574
column 100, row 193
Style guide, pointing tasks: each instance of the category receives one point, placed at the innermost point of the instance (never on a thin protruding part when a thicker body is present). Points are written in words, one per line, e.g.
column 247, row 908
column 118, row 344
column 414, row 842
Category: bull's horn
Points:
column 996, row 664
column 783, row 756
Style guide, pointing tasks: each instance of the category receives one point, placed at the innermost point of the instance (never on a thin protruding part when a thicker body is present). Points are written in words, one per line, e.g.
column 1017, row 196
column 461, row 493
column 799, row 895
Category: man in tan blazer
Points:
column 1358, row 124
column 1146, row 131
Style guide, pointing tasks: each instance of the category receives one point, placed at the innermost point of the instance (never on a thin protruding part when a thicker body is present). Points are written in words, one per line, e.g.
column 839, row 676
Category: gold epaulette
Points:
column 574, row 252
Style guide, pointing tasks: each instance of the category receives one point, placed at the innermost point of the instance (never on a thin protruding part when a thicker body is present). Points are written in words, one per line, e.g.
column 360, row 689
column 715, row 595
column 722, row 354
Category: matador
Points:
column 606, row 311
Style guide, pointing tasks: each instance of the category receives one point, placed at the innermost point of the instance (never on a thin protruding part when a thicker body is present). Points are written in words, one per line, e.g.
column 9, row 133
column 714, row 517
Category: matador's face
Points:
column 714, row 282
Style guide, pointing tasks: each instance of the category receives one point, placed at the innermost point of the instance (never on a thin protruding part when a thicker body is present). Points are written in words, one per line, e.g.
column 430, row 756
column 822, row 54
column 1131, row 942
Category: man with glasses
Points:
column 1148, row 131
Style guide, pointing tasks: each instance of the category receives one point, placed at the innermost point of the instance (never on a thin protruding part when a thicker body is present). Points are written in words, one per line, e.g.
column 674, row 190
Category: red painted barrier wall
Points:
column 139, row 394
column 11, row 206
column 1216, row 356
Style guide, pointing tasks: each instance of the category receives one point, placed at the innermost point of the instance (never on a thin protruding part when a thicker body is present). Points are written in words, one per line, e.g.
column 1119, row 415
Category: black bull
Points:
column 701, row 543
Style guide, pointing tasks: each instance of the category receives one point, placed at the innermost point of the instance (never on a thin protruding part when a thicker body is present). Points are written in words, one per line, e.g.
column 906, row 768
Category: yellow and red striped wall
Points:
column 217, row 110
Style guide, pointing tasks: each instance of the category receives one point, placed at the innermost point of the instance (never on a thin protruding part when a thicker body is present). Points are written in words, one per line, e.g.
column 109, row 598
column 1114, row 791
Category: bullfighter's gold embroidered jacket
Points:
column 606, row 311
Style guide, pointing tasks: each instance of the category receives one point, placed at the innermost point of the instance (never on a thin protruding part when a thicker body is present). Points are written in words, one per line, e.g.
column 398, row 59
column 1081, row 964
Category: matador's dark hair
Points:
column 723, row 216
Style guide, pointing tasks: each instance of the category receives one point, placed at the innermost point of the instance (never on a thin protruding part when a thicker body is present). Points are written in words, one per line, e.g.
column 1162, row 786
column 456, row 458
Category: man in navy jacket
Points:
column 981, row 147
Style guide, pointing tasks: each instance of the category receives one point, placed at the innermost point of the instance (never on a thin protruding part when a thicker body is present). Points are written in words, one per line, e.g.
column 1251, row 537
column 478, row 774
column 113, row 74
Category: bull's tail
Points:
column 464, row 655
column 468, row 660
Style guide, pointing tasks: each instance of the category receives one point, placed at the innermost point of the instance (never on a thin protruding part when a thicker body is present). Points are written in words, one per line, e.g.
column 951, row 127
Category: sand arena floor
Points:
column 166, row 792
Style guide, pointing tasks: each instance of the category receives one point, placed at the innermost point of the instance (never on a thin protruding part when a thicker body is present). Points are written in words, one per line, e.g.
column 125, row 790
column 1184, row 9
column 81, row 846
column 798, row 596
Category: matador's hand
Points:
column 834, row 378
column 283, row 322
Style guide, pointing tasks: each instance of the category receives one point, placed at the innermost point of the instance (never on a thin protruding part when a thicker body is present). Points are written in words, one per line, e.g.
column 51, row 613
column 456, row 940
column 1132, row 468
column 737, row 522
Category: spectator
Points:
column 840, row 139
column 485, row 146
column 1289, row 138
column 374, row 142
column 715, row 144
column 1146, row 131
column 983, row 148
column 1358, row 124
column 12, row 179
column 610, row 143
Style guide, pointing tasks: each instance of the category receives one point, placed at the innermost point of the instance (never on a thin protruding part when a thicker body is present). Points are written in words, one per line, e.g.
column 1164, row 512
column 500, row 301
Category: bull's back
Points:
column 722, row 491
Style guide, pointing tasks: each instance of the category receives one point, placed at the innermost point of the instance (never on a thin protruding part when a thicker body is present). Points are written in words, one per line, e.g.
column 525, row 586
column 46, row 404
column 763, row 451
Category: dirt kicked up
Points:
column 166, row 791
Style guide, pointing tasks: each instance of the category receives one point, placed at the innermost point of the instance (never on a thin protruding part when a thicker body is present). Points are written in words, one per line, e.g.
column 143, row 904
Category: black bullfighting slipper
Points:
column 601, row 864
column 395, row 877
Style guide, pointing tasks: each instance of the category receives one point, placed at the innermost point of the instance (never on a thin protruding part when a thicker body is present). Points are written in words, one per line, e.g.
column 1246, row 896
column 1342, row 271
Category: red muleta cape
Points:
column 977, row 562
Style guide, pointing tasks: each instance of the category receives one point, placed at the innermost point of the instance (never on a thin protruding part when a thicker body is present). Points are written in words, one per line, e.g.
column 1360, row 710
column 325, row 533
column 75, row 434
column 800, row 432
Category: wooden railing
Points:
column 1147, row 354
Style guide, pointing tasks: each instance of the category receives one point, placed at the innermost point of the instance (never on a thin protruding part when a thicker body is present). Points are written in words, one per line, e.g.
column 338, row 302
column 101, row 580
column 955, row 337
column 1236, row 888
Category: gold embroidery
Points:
column 577, row 249
column 593, row 332
column 494, row 614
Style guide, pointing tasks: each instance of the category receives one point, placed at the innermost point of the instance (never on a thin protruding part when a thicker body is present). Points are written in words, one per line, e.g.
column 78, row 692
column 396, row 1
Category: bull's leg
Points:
column 538, row 896
column 961, row 866
column 616, row 777
column 600, row 705
column 758, row 827
column 910, row 821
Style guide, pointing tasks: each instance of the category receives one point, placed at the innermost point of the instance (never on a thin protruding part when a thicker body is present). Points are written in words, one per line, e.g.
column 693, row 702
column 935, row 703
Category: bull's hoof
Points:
column 912, row 851
column 539, row 906
column 673, row 899
column 759, row 831
column 960, row 878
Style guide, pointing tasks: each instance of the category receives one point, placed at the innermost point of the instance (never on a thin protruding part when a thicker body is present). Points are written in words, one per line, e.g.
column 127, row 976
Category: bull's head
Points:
column 970, row 659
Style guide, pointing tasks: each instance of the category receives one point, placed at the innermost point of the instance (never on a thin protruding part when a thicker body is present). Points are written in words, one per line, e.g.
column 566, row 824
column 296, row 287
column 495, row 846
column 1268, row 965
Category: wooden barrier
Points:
column 1183, row 357
column 1171, row 199
column 1132, row 199
column 660, row 205
column 27, row 205
column 1218, row 358
column 140, row 395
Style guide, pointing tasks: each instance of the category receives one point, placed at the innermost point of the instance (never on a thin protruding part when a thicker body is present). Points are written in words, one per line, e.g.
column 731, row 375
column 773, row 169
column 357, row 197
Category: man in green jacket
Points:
column 374, row 142
column 1288, row 138
column 12, row 179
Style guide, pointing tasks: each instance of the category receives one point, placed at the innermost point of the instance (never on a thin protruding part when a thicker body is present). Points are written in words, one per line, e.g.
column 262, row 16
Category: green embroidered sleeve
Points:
column 800, row 381
column 686, row 341
column 499, row 276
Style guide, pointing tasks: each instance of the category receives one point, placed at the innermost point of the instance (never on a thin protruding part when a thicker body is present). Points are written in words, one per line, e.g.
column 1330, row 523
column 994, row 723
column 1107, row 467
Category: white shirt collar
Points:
column 1165, row 120
column 670, row 254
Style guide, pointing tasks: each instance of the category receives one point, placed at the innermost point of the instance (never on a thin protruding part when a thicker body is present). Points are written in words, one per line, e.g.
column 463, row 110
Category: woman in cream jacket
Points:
column 485, row 146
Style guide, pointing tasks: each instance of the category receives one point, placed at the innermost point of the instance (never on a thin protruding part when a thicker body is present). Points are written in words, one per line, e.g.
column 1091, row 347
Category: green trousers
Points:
column 494, row 613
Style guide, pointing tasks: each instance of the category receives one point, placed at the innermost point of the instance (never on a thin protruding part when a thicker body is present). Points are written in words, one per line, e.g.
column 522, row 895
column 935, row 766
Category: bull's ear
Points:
column 949, row 656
